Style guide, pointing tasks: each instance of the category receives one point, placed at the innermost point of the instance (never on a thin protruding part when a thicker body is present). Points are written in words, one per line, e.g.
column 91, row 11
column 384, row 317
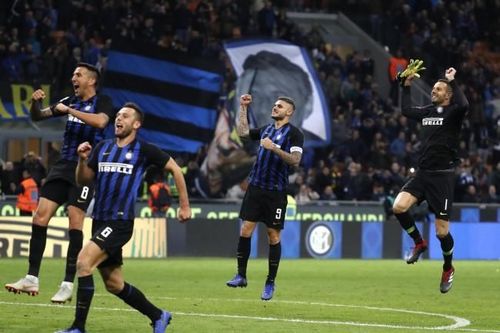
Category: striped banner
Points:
column 178, row 93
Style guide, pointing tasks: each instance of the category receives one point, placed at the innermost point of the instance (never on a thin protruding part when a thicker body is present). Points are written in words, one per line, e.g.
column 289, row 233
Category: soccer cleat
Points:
column 28, row 285
column 417, row 251
column 237, row 281
column 447, row 280
column 64, row 294
column 71, row 330
column 161, row 324
column 268, row 292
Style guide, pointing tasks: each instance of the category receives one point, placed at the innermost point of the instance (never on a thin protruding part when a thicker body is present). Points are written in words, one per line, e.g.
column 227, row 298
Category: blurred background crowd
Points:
column 373, row 147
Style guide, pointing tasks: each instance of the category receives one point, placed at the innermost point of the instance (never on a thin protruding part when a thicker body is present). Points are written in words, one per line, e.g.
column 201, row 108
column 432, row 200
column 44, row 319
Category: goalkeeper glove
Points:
column 413, row 68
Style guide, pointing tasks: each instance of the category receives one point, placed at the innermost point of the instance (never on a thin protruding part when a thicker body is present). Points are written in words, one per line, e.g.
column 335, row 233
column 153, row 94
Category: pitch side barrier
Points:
column 330, row 230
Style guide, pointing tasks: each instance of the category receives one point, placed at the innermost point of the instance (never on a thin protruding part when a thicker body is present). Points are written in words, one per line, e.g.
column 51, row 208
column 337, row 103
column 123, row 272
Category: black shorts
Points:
column 63, row 170
column 61, row 191
column 266, row 206
column 60, row 186
column 437, row 187
column 111, row 236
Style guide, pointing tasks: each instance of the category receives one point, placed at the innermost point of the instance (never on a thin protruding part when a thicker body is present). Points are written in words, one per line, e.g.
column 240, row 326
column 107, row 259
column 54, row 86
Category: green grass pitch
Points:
column 311, row 296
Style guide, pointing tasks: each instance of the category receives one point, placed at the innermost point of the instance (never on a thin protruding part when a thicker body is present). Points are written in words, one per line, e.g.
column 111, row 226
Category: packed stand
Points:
column 373, row 145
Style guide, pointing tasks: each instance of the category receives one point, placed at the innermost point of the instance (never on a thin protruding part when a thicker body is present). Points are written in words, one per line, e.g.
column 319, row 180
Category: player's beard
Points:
column 124, row 133
column 437, row 101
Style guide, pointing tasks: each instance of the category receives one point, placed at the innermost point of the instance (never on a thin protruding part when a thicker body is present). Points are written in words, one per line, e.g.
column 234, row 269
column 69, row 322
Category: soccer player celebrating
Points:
column 435, row 178
column 266, row 200
column 117, row 166
column 87, row 114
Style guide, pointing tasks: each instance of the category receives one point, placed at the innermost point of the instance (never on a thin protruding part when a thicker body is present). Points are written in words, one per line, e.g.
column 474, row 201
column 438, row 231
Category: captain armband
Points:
column 296, row 149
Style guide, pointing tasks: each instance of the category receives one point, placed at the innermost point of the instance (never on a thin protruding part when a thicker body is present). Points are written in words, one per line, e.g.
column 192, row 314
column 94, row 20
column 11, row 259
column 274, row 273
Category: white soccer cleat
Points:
column 64, row 294
column 28, row 285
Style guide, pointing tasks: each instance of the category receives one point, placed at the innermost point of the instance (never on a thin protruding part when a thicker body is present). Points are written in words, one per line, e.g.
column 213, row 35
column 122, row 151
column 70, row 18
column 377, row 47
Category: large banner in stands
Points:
column 178, row 93
column 148, row 240
column 15, row 100
column 267, row 69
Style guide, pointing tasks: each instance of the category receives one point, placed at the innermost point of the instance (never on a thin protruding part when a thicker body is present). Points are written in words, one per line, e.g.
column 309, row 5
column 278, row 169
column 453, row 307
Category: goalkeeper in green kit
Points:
column 434, row 180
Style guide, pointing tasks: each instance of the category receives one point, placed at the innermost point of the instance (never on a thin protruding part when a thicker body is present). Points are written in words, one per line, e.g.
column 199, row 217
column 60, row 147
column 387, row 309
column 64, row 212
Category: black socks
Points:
column 243, row 254
column 75, row 245
column 37, row 246
column 447, row 247
column 136, row 299
column 408, row 224
column 274, row 261
column 83, row 299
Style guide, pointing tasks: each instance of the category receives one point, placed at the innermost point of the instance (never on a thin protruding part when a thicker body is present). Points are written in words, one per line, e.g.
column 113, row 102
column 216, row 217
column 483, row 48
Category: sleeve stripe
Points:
column 295, row 148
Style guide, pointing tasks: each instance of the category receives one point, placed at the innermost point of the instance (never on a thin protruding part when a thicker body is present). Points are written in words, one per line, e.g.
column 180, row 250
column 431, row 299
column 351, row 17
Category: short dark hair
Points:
column 91, row 68
column 448, row 85
column 287, row 99
column 138, row 111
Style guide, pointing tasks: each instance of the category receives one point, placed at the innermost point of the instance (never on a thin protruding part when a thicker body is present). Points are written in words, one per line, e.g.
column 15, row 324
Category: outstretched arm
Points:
column 458, row 94
column 97, row 120
column 242, row 128
column 184, row 209
column 407, row 110
column 84, row 174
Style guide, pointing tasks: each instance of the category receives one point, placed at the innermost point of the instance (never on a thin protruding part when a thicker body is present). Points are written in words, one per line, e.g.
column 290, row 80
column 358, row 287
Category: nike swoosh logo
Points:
column 80, row 201
column 104, row 154
column 99, row 238
column 442, row 214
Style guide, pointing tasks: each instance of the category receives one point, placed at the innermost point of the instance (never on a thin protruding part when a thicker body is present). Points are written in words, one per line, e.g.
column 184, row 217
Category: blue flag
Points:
column 178, row 93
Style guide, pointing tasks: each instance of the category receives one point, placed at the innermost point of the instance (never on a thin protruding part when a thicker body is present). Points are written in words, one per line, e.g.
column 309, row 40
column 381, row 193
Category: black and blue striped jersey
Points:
column 119, row 172
column 270, row 172
column 76, row 131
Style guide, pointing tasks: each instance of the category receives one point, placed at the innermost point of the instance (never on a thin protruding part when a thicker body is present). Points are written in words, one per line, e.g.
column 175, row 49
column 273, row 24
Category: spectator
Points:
column 470, row 195
column 33, row 164
column 397, row 147
column 397, row 63
column 160, row 197
column 492, row 196
column 306, row 194
column 27, row 194
column 267, row 19
column 9, row 178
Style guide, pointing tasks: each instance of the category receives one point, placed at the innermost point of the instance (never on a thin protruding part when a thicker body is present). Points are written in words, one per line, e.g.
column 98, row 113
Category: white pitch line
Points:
column 300, row 321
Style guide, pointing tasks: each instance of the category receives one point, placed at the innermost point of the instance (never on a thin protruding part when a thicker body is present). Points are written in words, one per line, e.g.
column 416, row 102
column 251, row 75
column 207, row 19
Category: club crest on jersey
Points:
column 87, row 108
column 433, row 121
column 128, row 155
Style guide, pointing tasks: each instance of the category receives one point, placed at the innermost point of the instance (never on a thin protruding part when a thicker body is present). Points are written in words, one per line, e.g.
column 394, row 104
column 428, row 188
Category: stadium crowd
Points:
column 373, row 146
